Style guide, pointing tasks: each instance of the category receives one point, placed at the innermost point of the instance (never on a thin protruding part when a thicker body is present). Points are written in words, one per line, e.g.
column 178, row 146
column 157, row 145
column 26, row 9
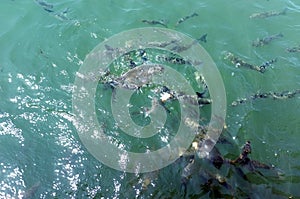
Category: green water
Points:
column 40, row 151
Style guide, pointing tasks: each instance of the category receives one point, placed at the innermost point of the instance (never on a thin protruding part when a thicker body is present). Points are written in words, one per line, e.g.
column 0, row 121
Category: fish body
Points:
column 137, row 77
column 293, row 49
column 30, row 193
column 238, row 62
column 271, row 95
column 46, row 6
column 162, row 44
column 266, row 64
column 172, row 59
column 179, row 48
column 195, row 100
column 155, row 22
column 267, row 14
column 266, row 40
column 183, row 19
column 203, row 38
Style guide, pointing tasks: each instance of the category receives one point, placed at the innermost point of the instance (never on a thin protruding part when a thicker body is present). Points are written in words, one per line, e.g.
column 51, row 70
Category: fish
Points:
column 216, row 172
column 266, row 40
column 284, row 94
column 203, row 38
column 163, row 44
column 173, row 59
column 195, row 99
column 293, row 49
column 29, row 193
column 46, row 6
column 266, row 64
column 137, row 77
column 238, row 62
column 272, row 95
column 179, row 48
column 198, row 99
column 268, row 14
column 186, row 174
column 183, row 19
column 243, row 160
column 49, row 8
column 156, row 22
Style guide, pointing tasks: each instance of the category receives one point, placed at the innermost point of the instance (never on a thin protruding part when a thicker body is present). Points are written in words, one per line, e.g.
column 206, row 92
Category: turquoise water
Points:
column 41, row 51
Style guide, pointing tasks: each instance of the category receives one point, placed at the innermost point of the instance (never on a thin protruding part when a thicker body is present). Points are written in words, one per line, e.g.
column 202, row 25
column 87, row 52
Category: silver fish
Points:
column 238, row 62
column 267, row 14
column 138, row 76
column 162, row 44
column 179, row 48
column 266, row 40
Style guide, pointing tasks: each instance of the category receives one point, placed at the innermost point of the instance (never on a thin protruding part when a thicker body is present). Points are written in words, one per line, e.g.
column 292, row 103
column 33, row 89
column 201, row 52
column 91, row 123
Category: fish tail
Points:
column 183, row 186
column 280, row 35
column 284, row 11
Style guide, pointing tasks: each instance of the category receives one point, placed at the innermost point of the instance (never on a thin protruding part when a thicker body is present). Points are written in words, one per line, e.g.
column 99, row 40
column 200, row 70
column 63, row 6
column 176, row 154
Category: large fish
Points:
column 216, row 171
column 238, row 62
column 137, row 77
column 293, row 49
column 272, row 95
column 266, row 40
column 267, row 14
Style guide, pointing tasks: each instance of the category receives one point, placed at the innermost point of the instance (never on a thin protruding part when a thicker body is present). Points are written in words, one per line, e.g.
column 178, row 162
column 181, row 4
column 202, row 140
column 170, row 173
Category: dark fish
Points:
column 198, row 99
column 155, row 22
column 203, row 38
column 171, row 59
column 238, row 62
column 271, row 95
column 187, row 173
column 244, row 161
column 284, row 94
column 48, row 10
column 266, row 40
column 183, row 19
column 293, row 49
column 46, row 6
column 268, row 14
column 195, row 100
column 266, row 64
column 108, row 48
column 257, row 165
column 214, row 176
column 243, row 157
